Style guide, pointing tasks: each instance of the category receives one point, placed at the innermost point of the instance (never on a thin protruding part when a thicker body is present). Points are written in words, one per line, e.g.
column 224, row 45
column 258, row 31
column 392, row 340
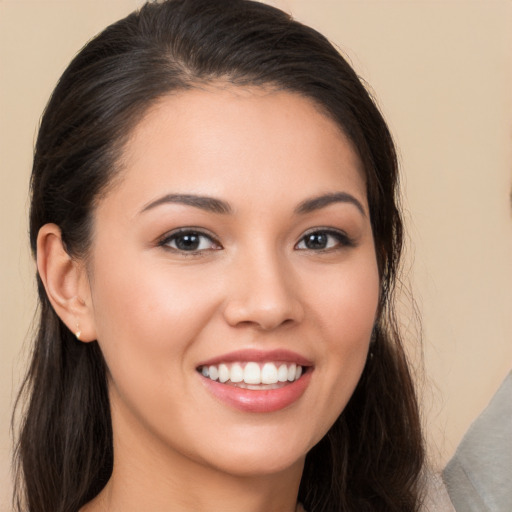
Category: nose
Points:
column 263, row 293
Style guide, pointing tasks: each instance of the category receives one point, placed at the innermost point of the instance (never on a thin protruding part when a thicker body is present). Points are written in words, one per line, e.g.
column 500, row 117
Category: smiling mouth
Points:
column 253, row 375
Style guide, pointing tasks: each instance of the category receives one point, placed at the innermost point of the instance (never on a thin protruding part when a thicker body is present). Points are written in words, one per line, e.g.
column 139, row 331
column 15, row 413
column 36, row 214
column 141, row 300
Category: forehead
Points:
column 218, row 138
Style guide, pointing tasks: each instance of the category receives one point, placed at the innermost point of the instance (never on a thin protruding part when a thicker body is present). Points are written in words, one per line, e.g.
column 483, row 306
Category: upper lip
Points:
column 277, row 355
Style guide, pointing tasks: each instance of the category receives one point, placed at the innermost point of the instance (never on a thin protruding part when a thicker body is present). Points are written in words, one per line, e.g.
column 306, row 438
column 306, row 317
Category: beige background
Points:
column 442, row 73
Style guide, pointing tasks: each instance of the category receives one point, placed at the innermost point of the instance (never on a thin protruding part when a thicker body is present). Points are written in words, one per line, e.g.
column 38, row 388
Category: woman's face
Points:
column 237, row 245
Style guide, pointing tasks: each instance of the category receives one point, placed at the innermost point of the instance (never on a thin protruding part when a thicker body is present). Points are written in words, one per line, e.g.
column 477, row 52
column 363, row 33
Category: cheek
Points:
column 146, row 323
column 345, row 313
column 148, row 317
column 347, row 302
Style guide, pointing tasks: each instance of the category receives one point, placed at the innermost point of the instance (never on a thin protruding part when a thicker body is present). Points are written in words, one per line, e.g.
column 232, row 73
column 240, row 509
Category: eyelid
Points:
column 344, row 240
column 164, row 240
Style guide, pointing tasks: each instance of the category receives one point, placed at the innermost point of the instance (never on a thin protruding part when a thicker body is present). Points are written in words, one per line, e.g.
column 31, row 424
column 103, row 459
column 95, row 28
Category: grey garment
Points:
column 479, row 476
column 436, row 497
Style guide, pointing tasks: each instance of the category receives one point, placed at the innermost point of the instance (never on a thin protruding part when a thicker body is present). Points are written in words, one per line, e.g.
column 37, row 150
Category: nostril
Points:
column 265, row 321
column 262, row 295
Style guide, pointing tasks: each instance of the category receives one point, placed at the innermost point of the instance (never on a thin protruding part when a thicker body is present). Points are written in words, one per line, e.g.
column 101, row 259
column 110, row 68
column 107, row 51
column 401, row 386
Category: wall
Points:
column 442, row 74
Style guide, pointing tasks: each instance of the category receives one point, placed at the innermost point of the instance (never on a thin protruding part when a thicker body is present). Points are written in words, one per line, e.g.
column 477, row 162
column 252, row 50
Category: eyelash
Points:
column 183, row 232
column 342, row 240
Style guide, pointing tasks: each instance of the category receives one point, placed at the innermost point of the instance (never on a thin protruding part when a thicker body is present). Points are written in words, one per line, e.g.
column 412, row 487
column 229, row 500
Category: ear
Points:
column 66, row 283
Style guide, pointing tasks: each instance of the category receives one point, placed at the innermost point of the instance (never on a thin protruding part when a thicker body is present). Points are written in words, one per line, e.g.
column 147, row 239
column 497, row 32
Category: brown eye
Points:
column 322, row 240
column 316, row 241
column 189, row 241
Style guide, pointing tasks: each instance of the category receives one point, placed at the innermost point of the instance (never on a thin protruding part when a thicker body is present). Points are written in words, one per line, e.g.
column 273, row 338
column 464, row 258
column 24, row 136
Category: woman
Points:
column 214, row 217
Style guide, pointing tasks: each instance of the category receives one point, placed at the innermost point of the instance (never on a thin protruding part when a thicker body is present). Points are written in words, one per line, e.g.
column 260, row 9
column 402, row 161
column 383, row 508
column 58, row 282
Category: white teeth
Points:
column 223, row 373
column 269, row 373
column 253, row 373
column 213, row 372
column 237, row 373
column 282, row 373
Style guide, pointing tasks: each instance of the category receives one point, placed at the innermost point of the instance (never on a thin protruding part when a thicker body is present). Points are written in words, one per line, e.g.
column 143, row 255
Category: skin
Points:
column 157, row 312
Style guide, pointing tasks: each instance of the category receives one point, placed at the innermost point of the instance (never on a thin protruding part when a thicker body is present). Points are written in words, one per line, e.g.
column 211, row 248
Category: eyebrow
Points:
column 316, row 203
column 209, row 204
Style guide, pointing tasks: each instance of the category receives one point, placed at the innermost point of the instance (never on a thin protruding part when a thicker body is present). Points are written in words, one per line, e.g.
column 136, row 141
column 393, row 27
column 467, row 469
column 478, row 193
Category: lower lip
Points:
column 261, row 400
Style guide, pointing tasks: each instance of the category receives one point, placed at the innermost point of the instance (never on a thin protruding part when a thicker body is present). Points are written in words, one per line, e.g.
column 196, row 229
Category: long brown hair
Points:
column 371, row 458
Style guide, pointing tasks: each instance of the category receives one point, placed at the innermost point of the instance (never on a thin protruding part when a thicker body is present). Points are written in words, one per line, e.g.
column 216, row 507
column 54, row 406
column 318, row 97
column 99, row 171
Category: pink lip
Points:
column 279, row 355
column 261, row 400
column 267, row 400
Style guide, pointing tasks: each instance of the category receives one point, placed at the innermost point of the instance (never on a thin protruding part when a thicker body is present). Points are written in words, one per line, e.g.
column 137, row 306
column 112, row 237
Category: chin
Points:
column 261, row 464
column 260, row 455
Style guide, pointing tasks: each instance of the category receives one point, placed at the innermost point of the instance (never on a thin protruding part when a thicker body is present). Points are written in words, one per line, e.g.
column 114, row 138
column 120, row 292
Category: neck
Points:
column 217, row 493
column 150, row 476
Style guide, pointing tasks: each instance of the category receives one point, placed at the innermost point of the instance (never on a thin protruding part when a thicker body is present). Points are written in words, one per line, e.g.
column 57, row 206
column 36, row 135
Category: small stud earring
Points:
column 78, row 332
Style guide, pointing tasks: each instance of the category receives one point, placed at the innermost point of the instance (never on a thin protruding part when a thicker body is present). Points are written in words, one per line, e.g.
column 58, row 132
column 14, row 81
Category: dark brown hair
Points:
column 371, row 458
